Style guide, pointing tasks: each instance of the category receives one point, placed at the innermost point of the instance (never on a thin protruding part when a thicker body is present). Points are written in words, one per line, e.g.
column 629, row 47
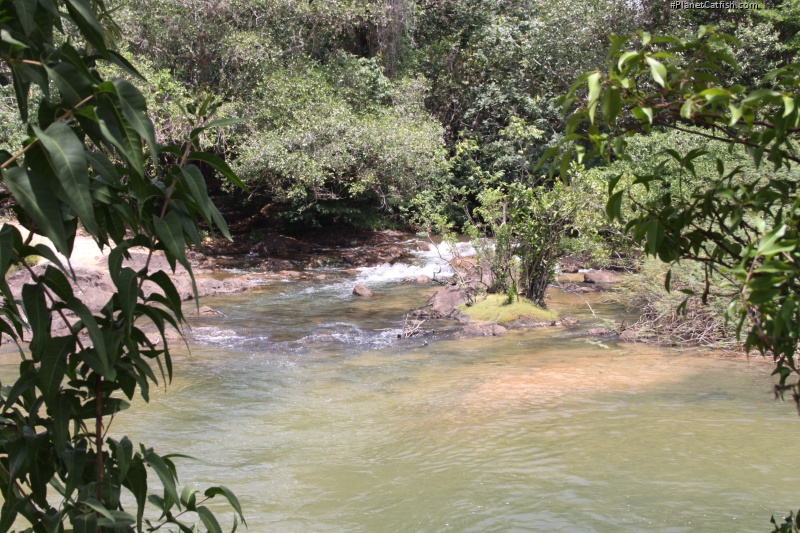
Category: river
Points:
column 302, row 399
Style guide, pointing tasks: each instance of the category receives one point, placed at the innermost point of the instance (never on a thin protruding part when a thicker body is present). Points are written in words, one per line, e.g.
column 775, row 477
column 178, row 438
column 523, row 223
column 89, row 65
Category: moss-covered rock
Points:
column 494, row 308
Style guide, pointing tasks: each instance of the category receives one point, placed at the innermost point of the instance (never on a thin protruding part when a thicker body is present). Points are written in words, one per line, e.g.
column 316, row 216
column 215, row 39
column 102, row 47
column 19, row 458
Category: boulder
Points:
column 361, row 257
column 362, row 291
column 601, row 277
column 569, row 267
column 444, row 302
column 273, row 264
column 423, row 279
column 280, row 246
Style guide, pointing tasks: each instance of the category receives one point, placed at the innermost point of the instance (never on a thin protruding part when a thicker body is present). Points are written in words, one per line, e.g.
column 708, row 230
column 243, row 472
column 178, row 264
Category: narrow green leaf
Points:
column 127, row 288
column 229, row 495
column 26, row 10
column 134, row 109
column 53, row 367
column 27, row 380
column 124, row 455
column 220, row 166
column 83, row 16
column 736, row 113
column 788, row 104
column 58, row 283
column 208, row 519
column 88, row 321
column 38, row 315
column 98, row 507
column 170, row 233
column 84, row 523
column 594, row 94
column 164, row 474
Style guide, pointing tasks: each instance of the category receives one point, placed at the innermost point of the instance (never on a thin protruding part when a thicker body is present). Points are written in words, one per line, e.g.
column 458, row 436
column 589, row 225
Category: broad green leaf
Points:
column 120, row 134
column 37, row 197
column 625, row 58
column 611, row 104
column 188, row 497
column 134, row 109
column 136, row 482
column 686, row 109
column 66, row 154
column 768, row 243
column 72, row 85
column 658, row 71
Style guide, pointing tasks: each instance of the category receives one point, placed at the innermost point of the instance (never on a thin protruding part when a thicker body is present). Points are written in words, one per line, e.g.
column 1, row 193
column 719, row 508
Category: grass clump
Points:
column 494, row 308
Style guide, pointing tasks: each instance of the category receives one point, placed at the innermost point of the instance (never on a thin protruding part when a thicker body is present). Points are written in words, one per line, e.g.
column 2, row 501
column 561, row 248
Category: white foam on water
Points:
column 433, row 262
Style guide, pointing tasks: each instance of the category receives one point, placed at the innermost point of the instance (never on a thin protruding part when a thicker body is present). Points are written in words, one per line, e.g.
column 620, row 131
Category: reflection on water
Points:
column 320, row 419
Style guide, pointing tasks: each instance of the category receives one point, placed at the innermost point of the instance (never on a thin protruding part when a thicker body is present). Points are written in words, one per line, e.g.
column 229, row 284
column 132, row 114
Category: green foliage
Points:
column 90, row 159
column 740, row 224
column 322, row 142
column 526, row 225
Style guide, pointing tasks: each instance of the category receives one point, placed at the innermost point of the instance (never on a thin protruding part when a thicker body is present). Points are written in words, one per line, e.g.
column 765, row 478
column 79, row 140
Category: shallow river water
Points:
column 301, row 399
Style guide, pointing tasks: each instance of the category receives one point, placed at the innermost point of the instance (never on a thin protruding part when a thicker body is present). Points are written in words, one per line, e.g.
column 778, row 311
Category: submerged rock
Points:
column 598, row 332
column 482, row 330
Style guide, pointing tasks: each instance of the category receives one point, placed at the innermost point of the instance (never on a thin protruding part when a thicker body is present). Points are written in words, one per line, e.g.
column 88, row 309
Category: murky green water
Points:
column 303, row 401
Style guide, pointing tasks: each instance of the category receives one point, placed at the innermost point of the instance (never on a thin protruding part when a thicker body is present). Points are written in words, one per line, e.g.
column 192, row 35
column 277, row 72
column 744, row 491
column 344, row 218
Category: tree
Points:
column 90, row 159
column 736, row 224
